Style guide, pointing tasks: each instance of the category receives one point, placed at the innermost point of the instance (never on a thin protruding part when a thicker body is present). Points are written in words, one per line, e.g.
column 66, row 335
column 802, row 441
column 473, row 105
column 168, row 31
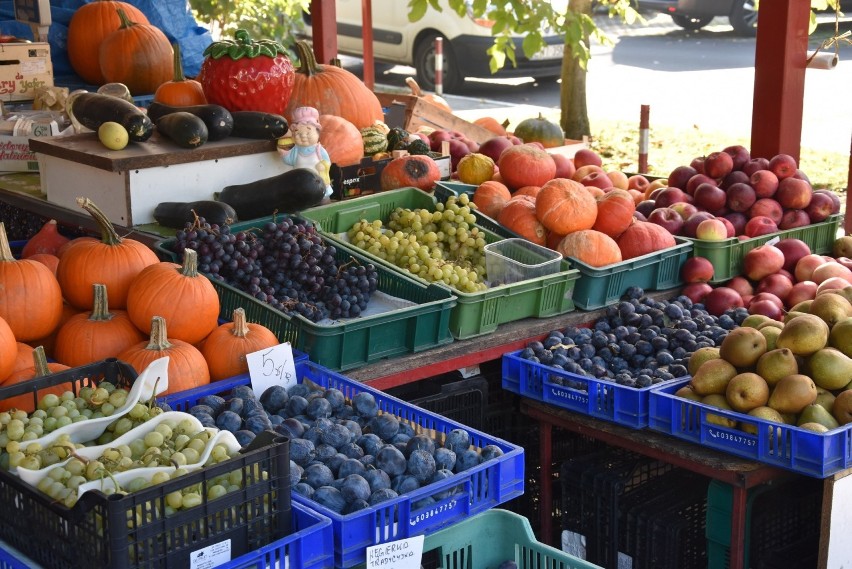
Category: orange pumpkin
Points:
column 180, row 91
column 88, row 27
column 8, row 351
column 642, row 238
column 553, row 240
column 226, row 347
column 615, row 212
column 187, row 367
column 137, row 55
column 23, row 360
column 94, row 336
column 525, row 165
column 178, row 293
column 595, row 192
column 416, row 171
column 490, row 123
column 490, row 197
column 38, row 368
column 341, row 139
column 564, row 206
column 591, row 247
column 113, row 261
column 519, row 216
column 49, row 341
column 31, row 300
column 531, row 191
column 46, row 259
column 332, row 91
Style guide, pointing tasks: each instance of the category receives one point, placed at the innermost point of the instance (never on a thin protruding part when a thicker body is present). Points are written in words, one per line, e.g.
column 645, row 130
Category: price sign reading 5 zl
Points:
column 271, row 366
column 401, row 554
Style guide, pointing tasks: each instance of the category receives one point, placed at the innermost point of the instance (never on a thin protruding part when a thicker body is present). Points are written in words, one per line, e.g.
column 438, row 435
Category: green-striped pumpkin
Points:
column 375, row 140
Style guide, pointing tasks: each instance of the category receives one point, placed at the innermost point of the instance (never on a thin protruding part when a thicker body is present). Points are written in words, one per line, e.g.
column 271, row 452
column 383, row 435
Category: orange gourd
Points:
column 180, row 91
column 8, row 351
column 332, row 90
column 519, row 216
column 591, row 247
column 531, row 191
column 39, row 367
column 615, row 212
column 490, row 197
column 564, row 206
column 490, row 123
column 341, row 139
column 46, row 259
column 47, row 240
column 94, row 336
column 113, row 261
column 138, row 55
column 226, row 347
column 415, row 171
column 643, row 238
column 187, row 367
column 30, row 297
column 525, row 165
column 178, row 293
column 88, row 27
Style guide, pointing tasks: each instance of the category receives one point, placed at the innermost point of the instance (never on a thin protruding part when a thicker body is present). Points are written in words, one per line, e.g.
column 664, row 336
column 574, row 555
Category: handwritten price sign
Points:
column 271, row 366
column 402, row 554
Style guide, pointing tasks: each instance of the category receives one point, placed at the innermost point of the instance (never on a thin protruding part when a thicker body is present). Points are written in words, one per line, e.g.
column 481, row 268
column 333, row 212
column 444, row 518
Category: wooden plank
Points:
column 834, row 549
column 419, row 112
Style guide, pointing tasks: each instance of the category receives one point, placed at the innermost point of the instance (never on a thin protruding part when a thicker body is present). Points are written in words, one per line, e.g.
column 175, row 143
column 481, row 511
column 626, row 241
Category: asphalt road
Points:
column 703, row 78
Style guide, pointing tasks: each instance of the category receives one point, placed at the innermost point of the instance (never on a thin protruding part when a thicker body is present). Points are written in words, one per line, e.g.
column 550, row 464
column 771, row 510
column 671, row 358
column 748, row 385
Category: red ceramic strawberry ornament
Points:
column 246, row 75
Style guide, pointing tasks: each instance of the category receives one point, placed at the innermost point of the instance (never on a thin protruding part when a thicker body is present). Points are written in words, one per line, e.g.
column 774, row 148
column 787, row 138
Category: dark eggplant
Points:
column 256, row 124
column 289, row 192
column 218, row 119
column 93, row 109
column 178, row 214
column 184, row 129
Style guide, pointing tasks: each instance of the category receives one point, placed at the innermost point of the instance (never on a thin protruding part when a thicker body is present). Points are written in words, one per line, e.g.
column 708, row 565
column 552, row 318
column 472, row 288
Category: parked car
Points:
column 465, row 43
column 695, row 14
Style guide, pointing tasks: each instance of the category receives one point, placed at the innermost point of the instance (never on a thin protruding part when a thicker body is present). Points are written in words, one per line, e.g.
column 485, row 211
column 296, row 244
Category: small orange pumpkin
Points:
column 615, row 212
column 565, row 206
column 23, row 360
column 341, row 139
column 180, row 91
column 643, row 238
column 519, row 216
column 490, row 123
column 46, row 259
column 591, row 247
column 525, row 165
column 8, row 351
column 416, row 171
column 39, row 367
column 226, row 347
column 531, row 191
column 490, row 197
column 47, row 240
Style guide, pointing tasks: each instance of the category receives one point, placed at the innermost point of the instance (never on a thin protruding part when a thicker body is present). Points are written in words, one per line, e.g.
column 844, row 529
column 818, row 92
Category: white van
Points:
column 465, row 44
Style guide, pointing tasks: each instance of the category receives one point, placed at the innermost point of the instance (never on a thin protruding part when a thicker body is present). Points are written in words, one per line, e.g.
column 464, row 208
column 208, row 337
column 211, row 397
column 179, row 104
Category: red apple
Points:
column 645, row 207
column 747, row 298
column 696, row 292
column 831, row 284
column 767, row 308
column 668, row 219
column 692, row 223
column 741, row 197
column 760, row 225
column 783, row 165
column 793, row 249
column 709, row 197
column 697, row 270
column 824, row 203
column 680, row 176
column 458, row 150
column 735, row 177
column 830, row 270
column 564, row 166
column 802, row 176
column 806, row 266
column 739, row 154
column 741, row 285
column 771, row 297
column 717, row 165
column 638, row 182
column 669, row 196
column 801, row 291
column 684, row 209
column 764, row 183
column 845, row 261
column 767, row 207
column 794, row 193
column 778, row 284
column 732, row 231
column 618, row 179
column 586, row 157
column 721, row 299
column 787, row 274
column 755, row 164
column 436, row 137
column 494, row 147
column 583, row 171
column 738, row 220
column 638, row 215
column 656, row 192
column 711, row 230
column 793, row 218
column 762, row 261
column 597, row 180
column 696, row 181
column 698, row 164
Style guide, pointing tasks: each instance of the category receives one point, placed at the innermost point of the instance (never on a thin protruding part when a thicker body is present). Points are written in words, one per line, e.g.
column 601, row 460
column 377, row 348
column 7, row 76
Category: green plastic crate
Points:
column 475, row 313
column 727, row 255
column 358, row 341
column 490, row 538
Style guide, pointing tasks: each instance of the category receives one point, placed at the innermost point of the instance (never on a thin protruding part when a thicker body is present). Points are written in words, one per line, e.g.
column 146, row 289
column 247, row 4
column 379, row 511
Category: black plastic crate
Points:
column 676, row 530
column 461, row 400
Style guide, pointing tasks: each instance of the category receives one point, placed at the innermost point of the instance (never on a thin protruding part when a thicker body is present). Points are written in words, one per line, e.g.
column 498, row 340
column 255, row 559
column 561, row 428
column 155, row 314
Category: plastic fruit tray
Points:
column 475, row 313
column 597, row 398
column 786, row 446
column 481, row 487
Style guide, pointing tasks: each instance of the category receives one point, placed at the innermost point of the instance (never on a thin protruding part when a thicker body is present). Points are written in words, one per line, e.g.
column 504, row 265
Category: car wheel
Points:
column 743, row 17
column 424, row 63
column 691, row 23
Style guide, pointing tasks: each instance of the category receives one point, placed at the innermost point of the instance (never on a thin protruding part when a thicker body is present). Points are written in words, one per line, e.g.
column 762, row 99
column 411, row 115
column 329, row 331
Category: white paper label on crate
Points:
column 624, row 561
column 773, row 241
column 33, row 67
column 401, row 554
column 271, row 366
column 469, row 371
column 574, row 544
column 211, row 556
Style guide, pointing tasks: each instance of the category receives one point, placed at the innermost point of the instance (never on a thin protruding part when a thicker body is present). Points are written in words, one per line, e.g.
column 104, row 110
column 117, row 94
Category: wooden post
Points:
column 848, row 217
column 367, row 32
column 324, row 29
column 644, row 137
column 779, row 78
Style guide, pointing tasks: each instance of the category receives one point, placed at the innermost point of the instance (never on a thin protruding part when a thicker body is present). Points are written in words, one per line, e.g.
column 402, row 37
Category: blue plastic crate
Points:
column 481, row 487
column 9, row 561
column 16, row 247
column 785, row 446
column 627, row 406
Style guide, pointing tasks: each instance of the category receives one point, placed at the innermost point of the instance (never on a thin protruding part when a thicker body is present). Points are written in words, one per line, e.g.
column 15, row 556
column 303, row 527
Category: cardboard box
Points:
column 364, row 178
column 24, row 68
column 16, row 156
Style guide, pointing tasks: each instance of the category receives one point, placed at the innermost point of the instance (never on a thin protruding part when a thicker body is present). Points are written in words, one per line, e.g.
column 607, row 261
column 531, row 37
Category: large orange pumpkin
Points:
column 615, row 212
column 23, row 360
column 39, row 367
column 519, row 216
column 8, row 350
column 564, row 206
column 592, row 247
column 113, row 261
column 88, row 27
column 137, row 55
column 49, row 342
column 490, row 197
column 341, row 139
column 332, row 91
column 525, row 165
column 226, row 347
column 30, row 297
column 642, row 238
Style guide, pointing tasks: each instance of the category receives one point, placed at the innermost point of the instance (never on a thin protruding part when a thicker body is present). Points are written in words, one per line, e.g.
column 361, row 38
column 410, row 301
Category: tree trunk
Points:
column 575, row 114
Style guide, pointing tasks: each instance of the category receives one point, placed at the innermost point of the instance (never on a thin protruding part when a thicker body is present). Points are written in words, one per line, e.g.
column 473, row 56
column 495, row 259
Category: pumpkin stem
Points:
column 190, row 263
column 100, row 307
column 159, row 335
column 108, row 233
column 307, row 58
column 126, row 22
column 40, row 360
column 178, row 65
column 241, row 328
column 415, row 88
column 5, row 249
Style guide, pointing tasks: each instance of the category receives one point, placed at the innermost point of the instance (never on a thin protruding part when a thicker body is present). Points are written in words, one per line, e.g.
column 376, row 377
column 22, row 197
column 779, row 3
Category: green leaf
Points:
column 417, row 9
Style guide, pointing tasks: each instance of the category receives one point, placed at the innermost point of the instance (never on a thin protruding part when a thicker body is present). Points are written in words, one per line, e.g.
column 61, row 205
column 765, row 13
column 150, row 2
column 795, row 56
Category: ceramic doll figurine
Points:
column 307, row 151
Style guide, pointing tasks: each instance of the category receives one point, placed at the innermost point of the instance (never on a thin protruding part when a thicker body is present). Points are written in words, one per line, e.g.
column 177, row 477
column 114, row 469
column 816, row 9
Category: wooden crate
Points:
column 416, row 112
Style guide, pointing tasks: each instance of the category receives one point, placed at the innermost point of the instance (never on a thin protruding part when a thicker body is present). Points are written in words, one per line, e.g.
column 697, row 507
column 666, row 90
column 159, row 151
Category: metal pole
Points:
column 643, row 138
column 439, row 65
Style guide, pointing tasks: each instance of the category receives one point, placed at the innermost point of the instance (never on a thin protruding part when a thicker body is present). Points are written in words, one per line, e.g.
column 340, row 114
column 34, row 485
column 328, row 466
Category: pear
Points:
column 815, row 427
column 718, row 400
column 776, row 364
column 686, row 392
column 841, row 336
column 754, row 320
column 792, row 394
column 747, row 391
column 832, row 308
column 765, row 413
column 842, row 408
column 791, row 315
column 830, row 368
column 825, row 398
column 771, row 323
column 803, row 335
column 804, row 306
column 814, row 413
column 743, row 347
column 713, row 377
column 842, row 246
column 700, row 356
column 771, row 334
